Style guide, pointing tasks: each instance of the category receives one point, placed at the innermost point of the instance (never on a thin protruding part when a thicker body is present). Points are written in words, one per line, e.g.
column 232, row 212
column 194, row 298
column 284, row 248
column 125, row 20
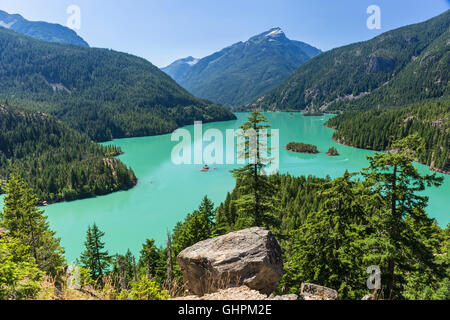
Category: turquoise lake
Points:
column 167, row 192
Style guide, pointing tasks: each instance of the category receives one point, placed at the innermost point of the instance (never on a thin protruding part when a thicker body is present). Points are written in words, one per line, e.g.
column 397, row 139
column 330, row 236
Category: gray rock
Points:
column 368, row 297
column 311, row 291
column 250, row 257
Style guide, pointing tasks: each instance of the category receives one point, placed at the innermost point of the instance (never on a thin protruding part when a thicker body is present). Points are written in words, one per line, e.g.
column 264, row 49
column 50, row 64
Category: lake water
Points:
column 167, row 192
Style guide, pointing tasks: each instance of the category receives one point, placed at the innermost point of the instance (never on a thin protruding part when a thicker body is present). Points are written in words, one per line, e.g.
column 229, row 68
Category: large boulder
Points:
column 250, row 257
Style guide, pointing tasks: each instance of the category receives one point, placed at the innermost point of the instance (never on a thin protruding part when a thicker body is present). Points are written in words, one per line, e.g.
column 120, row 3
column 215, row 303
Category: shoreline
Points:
column 384, row 151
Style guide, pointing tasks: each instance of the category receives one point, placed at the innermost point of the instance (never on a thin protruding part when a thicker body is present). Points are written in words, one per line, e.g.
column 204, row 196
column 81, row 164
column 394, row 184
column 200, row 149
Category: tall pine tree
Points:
column 257, row 205
column 26, row 222
column 95, row 257
column 403, row 223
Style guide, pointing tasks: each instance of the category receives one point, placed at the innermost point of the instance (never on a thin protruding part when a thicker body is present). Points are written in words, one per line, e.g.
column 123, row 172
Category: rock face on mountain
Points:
column 241, row 72
column 50, row 32
column 250, row 257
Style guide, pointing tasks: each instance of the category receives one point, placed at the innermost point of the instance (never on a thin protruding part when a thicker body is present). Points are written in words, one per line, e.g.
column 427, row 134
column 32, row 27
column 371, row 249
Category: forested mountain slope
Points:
column 104, row 93
column 239, row 73
column 58, row 162
column 378, row 129
column 51, row 32
column 396, row 68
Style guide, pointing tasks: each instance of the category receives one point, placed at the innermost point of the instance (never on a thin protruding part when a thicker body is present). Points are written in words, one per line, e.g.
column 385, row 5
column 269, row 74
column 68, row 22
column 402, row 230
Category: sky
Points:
column 165, row 30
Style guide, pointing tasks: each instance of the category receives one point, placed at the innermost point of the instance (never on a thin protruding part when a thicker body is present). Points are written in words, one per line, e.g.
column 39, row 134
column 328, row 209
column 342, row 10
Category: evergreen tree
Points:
column 338, row 229
column 19, row 274
column 150, row 256
column 124, row 269
column 27, row 223
column 403, row 223
column 198, row 226
column 257, row 205
column 95, row 257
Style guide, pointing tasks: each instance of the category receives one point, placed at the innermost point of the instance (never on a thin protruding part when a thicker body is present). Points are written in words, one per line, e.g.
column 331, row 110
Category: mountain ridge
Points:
column 346, row 77
column 51, row 32
column 101, row 92
column 244, row 70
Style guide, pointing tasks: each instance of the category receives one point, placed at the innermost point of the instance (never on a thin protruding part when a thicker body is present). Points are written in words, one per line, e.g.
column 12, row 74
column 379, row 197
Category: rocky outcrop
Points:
column 237, row 293
column 311, row 291
column 376, row 64
column 250, row 257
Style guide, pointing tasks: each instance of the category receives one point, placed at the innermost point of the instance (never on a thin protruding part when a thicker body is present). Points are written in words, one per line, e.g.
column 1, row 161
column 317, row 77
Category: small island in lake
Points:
column 332, row 152
column 301, row 147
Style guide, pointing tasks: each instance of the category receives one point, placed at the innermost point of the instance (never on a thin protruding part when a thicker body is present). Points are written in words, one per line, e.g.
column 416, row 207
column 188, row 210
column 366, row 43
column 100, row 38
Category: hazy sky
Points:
column 165, row 30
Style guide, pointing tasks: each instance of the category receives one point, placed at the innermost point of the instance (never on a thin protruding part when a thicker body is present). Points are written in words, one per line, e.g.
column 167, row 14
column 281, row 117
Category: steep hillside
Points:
column 104, row 93
column 238, row 74
column 41, row 30
column 378, row 129
column 395, row 68
column 58, row 162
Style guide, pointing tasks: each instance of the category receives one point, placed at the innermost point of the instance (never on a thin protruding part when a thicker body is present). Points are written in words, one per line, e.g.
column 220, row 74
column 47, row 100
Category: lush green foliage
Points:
column 58, row 162
column 257, row 206
column 124, row 269
column 240, row 73
column 196, row 227
column 393, row 177
column 103, row 93
column 378, row 129
column 395, row 68
column 145, row 289
column 19, row 274
column 95, row 257
column 302, row 147
column 27, row 223
column 338, row 228
column 152, row 261
column 332, row 152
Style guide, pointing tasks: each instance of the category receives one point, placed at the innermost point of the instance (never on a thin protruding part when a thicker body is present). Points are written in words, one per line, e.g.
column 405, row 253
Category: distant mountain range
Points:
column 41, row 30
column 103, row 93
column 238, row 74
column 398, row 67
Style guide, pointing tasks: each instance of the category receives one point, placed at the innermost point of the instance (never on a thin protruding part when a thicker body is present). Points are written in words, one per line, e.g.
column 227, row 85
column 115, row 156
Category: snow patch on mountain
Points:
column 193, row 62
column 275, row 33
